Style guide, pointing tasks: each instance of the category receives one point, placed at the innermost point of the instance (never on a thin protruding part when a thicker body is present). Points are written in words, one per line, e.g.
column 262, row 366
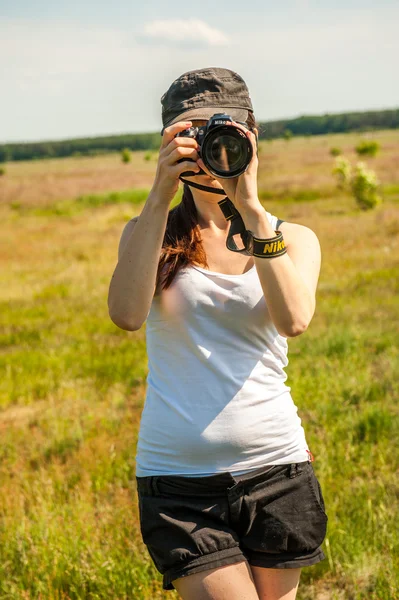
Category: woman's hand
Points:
column 172, row 150
column 241, row 190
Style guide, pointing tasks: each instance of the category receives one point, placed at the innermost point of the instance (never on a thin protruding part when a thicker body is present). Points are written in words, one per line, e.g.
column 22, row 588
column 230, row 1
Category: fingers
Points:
column 186, row 165
column 253, row 139
column 238, row 125
column 253, row 133
column 253, row 165
column 181, row 146
column 170, row 132
column 182, row 153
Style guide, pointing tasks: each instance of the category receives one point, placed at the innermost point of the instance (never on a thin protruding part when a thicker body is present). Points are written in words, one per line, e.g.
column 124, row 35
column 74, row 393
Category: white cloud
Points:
column 184, row 32
column 65, row 79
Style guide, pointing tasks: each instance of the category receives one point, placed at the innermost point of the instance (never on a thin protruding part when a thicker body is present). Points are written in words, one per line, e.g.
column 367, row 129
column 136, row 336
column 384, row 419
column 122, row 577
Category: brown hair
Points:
column 182, row 243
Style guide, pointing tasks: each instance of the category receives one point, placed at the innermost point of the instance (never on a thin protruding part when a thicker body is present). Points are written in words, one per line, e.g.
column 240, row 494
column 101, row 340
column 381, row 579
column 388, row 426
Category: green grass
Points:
column 69, row 208
column 303, row 195
column 72, row 387
column 75, row 206
column 391, row 191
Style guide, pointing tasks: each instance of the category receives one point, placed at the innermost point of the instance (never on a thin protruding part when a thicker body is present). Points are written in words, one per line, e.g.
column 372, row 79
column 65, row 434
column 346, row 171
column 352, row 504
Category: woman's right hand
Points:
column 171, row 151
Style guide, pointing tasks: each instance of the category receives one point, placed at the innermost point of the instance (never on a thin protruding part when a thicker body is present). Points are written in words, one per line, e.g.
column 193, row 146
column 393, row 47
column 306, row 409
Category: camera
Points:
column 224, row 148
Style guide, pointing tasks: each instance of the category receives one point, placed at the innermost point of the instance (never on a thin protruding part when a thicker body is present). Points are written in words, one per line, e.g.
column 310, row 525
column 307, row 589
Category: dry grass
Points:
column 40, row 183
column 73, row 384
column 285, row 168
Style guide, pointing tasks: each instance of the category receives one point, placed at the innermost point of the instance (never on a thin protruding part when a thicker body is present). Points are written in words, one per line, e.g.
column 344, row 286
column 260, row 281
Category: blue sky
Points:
column 85, row 68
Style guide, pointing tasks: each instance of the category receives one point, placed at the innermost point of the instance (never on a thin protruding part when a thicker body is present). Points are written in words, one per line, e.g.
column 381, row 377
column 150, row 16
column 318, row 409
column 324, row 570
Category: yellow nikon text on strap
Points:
column 262, row 248
column 269, row 247
column 273, row 247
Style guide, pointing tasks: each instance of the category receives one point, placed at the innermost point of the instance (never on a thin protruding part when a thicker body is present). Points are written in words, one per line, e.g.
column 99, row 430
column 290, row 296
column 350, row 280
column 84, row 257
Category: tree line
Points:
column 299, row 126
column 78, row 147
column 332, row 123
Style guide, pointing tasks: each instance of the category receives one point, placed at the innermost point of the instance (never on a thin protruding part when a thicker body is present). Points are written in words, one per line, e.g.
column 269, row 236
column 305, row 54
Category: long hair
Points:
column 182, row 243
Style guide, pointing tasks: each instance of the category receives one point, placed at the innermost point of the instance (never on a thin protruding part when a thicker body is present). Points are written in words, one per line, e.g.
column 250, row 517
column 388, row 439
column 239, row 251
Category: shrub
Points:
column 125, row 155
column 343, row 171
column 364, row 186
column 2, row 171
column 287, row 134
column 148, row 156
column 367, row 148
column 360, row 181
column 335, row 151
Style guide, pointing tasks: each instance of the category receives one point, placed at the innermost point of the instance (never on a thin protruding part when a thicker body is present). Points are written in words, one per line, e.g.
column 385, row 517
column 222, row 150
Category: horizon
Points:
column 128, row 133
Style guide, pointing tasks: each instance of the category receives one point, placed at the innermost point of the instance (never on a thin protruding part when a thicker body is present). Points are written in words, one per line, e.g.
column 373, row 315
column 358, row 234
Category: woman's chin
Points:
column 209, row 180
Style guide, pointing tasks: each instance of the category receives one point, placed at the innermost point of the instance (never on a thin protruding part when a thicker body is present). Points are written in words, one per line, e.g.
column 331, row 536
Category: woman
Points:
column 230, row 507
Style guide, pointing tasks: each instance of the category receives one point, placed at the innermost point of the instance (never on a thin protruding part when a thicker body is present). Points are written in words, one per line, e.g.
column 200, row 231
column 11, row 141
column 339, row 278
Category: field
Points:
column 72, row 384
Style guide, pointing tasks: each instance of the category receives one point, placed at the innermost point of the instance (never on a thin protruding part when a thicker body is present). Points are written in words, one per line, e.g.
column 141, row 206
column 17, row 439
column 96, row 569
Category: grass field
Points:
column 72, row 384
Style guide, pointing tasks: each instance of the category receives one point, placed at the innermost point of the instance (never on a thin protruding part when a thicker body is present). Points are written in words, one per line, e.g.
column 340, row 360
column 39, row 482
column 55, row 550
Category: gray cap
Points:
column 202, row 93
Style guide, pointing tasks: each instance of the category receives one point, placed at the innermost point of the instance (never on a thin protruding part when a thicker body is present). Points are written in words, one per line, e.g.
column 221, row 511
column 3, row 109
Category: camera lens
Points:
column 226, row 152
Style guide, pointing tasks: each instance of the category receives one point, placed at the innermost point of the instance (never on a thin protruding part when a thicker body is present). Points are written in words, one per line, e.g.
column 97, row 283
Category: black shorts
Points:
column 274, row 517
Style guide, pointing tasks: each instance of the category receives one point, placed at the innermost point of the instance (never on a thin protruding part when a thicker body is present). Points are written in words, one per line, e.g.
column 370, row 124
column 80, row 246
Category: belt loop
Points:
column 153, row 485
column 293, row 469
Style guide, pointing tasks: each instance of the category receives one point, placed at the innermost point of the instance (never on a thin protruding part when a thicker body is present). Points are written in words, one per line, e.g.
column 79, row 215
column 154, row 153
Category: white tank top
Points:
column 216, row 395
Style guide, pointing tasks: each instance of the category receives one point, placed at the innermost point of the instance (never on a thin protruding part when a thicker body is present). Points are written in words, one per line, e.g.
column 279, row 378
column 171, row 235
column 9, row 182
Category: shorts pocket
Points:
column 316, row 489
column 287, row 516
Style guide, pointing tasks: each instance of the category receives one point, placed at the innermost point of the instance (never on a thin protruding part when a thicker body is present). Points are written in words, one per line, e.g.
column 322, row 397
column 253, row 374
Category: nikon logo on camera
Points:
column 273, row 247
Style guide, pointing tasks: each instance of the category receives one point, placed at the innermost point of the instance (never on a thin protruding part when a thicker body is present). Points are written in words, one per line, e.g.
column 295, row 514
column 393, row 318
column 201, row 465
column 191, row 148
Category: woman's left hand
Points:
column 241, row 190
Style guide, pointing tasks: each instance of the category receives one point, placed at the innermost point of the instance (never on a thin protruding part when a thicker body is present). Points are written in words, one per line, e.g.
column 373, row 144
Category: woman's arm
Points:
column 289, row 281
column 133, row 283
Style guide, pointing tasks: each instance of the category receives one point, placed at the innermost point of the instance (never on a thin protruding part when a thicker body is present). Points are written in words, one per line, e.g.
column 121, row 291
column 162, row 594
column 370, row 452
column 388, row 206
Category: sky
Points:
column 94, row 67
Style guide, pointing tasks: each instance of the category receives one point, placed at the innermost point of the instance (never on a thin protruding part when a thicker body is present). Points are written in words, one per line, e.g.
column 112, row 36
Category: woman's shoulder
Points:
column 294, row 232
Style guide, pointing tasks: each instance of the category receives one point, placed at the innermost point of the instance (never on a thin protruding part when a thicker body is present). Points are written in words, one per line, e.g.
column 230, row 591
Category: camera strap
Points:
column 236, row 226
column 202, row 187
column 263, row 248
column 231, row 214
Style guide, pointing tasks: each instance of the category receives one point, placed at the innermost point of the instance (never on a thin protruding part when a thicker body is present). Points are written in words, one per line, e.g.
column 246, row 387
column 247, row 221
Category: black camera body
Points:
column 224, row 148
